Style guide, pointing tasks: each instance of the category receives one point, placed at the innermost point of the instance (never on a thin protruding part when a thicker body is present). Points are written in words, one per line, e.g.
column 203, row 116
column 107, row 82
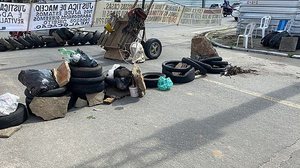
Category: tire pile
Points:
column 15, row 118
column 184, row 71
column 57, row 38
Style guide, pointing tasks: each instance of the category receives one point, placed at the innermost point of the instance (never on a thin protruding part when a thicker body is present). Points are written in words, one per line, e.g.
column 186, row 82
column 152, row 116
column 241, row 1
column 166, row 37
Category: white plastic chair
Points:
column 264, row 24
column 247, row 34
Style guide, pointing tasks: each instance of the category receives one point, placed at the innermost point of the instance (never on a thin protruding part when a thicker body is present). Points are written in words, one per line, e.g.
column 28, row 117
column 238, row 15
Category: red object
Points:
column 18, row 33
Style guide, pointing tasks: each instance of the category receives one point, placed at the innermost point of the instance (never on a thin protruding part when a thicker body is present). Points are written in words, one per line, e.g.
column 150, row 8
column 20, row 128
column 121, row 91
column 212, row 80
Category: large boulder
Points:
column 49, row 108
column 202, row 48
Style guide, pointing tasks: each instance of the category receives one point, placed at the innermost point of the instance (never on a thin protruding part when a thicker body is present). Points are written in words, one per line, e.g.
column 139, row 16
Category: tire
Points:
column 75, row 40
column 68, row 33
column 187, row 77
column 216, row 70
column 27, row 102
column 48, row 39
column 88, row 89
column 218, row 63
column 87, row 80
column 24, row 42
column 81, row 38
column 15, row 43
column 151, row 79
column 15, row 118
column 152, row 48
column 207, row 60
column 30, row 40
column 50, row 93
column 86, row 72
column 88, row 37
column 7, row 44
column 61, row 34
column 170, row 66
column 95, row 38
column 38, row 40
column 3, row 48
column 51, row 31
column 58, row 39
column 236, row 18
column 52, row 44
column 204, row 65
column 198, row 67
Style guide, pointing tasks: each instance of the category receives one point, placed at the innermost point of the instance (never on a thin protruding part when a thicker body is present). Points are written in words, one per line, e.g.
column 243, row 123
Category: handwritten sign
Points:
column 59, row 15
column 14, row 16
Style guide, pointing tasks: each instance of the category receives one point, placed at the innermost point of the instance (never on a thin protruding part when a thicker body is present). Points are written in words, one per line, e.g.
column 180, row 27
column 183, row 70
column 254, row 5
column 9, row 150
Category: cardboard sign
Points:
column 60, row 15
column 14, row 16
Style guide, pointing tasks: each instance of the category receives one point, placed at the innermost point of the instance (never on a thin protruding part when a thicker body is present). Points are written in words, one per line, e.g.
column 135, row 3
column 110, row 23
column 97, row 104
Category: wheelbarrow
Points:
column 120, row 31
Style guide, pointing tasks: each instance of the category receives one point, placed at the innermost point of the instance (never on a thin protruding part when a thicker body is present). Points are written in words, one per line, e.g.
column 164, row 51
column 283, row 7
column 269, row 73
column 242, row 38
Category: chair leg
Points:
column 246, row 42
column 255, row 33
column 263, row 32
column 251, row 42
column 237, row 42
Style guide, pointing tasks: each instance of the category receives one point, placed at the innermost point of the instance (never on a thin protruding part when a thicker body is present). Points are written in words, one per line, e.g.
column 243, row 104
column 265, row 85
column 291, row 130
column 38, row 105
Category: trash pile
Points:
column 56, row 38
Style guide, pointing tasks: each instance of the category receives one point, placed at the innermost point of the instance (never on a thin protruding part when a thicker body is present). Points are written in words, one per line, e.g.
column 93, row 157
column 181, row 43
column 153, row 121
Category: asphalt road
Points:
column 243, row 121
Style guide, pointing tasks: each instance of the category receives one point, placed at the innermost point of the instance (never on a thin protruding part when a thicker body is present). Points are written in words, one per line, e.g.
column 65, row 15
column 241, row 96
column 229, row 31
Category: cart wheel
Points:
column 152, row 48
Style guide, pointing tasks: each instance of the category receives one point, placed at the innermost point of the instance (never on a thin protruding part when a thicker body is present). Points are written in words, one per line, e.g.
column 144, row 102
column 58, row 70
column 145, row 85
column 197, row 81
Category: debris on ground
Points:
column 8, row 132
column 95, row 98
column 234, row 70
column 109, row 100
column 91, row 117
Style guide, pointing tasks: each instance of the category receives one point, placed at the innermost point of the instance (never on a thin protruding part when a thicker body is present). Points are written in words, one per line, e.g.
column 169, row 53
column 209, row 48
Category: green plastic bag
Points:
column 164, row 83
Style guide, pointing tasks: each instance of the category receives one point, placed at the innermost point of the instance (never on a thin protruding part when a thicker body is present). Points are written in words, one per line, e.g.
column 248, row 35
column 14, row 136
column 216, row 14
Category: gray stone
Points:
column 6, row 133
column 202, row 48
column 95, row 98
column 80, row 103
column 288, row 44
column 49, row 108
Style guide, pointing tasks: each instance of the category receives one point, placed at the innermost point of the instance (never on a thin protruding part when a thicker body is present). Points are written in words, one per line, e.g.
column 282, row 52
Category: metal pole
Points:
column 203, row 3
column 143, row 4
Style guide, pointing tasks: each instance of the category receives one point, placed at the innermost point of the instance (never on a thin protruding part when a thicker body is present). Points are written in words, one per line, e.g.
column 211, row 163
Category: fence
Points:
column 37, row 16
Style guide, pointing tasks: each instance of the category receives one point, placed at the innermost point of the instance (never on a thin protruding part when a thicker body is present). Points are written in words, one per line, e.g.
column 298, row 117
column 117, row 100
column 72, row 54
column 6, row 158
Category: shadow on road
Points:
column 182, row 137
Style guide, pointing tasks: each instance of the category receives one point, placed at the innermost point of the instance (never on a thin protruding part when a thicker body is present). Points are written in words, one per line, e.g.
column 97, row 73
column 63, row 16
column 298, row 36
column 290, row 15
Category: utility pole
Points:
column 203, row 3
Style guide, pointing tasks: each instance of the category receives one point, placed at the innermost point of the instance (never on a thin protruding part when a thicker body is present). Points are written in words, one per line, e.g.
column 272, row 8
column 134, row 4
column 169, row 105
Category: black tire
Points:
column 236, row 18
column 88, row 37
column 95, row 38
column 75, row 40
column 58, row 39
column 15, row 118
column 3, row 48
column 50, row 93
column 207, row 60
column 198, row 67
column 218, row 63
column 68, row 33
column 88, row 89
column 38, row 40
column 152, row 48
column 151, row 79
column 87, row 80
column 81, row 38
column 187, row 77
column 24, row 42
column 51, row 31
column 48, row 39
column 86, row 72
column 204, row 65
column 30, row 40
column 52, row 44
column 170, row 66
column 15, row 43
column 216, row 70
column 61, row 34
column 27, row 102
column 7, row 44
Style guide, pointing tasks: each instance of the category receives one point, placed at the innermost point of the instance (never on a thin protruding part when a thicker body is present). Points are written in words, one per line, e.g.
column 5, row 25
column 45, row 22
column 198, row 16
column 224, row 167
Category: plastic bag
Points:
column 164, row 83
column 78, row 58
column 8, row 104
column 137, row 52
column 37, row 81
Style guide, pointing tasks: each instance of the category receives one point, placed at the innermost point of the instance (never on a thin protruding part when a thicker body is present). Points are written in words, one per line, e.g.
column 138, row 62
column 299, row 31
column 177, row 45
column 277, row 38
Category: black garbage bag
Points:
column 266, row 40
column 81, row 59
column 37, row 81
column 275, row 41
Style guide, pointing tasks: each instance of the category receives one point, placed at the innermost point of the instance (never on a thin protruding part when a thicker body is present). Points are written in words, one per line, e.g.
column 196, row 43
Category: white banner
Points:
column 59, row 15
column 14, row 16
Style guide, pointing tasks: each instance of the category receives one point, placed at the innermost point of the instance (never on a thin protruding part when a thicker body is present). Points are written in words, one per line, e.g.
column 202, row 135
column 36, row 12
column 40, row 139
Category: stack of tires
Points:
column 86, row 80
column 56, row 38
column 213, row 65
column 15, row 118
column 59, row 92
column 183, row 74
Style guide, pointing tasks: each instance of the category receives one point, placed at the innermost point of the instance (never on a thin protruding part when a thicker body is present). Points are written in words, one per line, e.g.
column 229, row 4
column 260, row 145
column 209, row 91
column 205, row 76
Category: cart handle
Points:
column 149, row 7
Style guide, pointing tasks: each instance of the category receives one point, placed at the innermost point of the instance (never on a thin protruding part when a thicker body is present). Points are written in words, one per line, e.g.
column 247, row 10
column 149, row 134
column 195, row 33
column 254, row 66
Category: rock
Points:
column 202, row 48
column 139, row 80
column 80, row 103
column 49, row 108
column 62, row 74
column 95, row 98
column 109, row 100
column 6, row 133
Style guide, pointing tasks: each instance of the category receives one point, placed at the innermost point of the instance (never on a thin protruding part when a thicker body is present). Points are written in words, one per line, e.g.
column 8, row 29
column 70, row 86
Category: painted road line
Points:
column 273, row 99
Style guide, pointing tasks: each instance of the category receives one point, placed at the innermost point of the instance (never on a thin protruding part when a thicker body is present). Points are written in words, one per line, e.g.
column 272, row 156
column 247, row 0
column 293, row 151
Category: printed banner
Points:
column 14, row 16
column 59, row 15
column 201, row 16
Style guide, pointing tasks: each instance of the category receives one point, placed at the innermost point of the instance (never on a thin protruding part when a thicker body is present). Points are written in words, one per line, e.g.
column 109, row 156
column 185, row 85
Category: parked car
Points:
column 236, row 11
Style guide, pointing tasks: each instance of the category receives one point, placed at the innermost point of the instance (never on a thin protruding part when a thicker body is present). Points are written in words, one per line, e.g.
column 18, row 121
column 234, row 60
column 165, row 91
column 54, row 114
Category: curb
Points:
column 214, row 43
